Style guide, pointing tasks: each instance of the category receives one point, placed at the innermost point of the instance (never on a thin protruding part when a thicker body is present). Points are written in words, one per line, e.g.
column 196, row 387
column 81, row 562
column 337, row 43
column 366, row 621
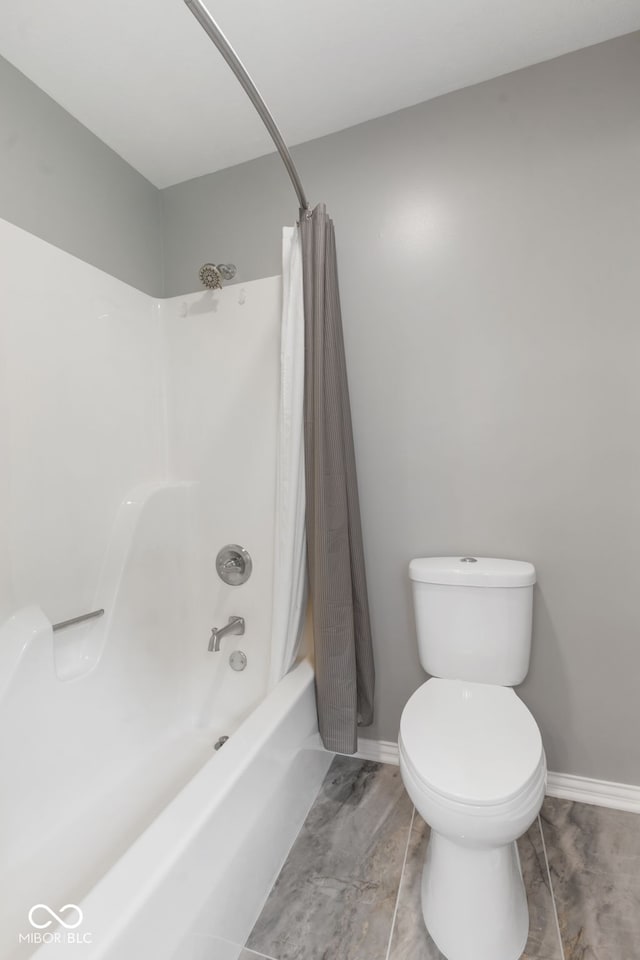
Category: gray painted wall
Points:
column 60, row 182
column 488, row 246
column 488, row 249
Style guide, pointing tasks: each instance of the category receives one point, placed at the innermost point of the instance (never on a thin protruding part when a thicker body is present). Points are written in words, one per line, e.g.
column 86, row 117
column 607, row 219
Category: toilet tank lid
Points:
column 473, row 571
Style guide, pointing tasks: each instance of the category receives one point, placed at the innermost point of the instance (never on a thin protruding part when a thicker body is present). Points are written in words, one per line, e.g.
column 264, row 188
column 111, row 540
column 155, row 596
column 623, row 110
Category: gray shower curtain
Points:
column 342, row 632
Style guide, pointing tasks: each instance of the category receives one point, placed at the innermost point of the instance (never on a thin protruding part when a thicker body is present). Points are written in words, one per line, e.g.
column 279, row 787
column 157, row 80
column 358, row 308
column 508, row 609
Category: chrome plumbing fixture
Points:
column 212, row 275
column 235, row 625
column 238, row 660
column 220, row 742
column 85, row 616
column 234, row 565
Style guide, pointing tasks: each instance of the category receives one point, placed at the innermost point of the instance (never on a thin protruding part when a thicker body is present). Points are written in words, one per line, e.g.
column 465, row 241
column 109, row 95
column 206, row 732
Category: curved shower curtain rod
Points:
column 212, row 29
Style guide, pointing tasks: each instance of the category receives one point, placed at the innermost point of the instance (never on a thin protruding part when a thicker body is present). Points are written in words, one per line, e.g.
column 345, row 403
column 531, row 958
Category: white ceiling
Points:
column 144, row 77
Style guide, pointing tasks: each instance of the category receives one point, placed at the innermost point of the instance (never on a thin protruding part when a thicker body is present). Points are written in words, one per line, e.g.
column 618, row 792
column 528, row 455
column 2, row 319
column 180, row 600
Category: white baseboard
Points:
column 383, row 751
column 602, row 793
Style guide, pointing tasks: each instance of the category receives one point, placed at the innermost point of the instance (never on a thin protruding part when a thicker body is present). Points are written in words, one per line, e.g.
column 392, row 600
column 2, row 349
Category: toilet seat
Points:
column 472, row 743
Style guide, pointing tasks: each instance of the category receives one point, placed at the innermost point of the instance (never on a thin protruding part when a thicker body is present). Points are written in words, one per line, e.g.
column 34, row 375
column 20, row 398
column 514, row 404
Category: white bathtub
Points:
column 113, row 798
column 139, row 438
column 193, row 881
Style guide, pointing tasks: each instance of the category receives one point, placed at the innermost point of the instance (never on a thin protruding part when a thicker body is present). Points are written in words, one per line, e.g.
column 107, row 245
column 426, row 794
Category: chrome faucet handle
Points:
column 233, row 564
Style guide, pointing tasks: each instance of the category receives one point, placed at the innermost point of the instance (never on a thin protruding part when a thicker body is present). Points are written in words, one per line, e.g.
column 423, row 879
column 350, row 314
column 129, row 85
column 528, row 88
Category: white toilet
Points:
column 471, row 755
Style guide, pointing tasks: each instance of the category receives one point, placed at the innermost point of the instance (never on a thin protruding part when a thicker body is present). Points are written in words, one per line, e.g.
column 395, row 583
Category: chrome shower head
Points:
column 212, row 275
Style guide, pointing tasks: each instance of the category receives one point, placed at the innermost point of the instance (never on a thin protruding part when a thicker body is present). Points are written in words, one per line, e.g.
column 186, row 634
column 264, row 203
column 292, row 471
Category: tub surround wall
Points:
column 136, row 438
column 487, row 252
column 223, row 356
column 63, row 184
column 81, row 391
column 81, row 419
column 134, row 747
column 104, row 389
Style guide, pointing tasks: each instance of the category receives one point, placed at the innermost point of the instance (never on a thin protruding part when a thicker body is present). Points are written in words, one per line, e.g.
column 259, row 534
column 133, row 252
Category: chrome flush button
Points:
column 468, row 560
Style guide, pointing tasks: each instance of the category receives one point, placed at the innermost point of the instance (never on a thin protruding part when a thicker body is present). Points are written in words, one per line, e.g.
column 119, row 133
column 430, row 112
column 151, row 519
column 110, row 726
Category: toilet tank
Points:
column 473, row 617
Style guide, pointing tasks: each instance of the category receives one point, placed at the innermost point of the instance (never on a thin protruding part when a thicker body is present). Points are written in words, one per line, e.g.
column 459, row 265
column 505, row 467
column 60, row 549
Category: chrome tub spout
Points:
column 235, row 625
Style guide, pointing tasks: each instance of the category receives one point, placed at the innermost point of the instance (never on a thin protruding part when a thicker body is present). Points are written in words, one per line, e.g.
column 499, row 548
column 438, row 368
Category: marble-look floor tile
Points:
column 594, row 856
column 543, row 942
column 410, row 939
column 336, row 893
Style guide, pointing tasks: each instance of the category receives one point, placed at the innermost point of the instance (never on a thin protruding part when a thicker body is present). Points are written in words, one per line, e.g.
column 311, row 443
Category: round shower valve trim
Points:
column 234, row 564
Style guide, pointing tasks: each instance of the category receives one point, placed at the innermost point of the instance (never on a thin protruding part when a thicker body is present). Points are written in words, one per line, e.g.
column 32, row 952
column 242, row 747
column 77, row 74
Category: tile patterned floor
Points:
column 594, row 858
column 350, row 888
column 340, row 881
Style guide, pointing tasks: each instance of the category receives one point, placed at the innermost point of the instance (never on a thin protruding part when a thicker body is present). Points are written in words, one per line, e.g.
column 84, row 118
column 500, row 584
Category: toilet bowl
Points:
column 472, row 761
